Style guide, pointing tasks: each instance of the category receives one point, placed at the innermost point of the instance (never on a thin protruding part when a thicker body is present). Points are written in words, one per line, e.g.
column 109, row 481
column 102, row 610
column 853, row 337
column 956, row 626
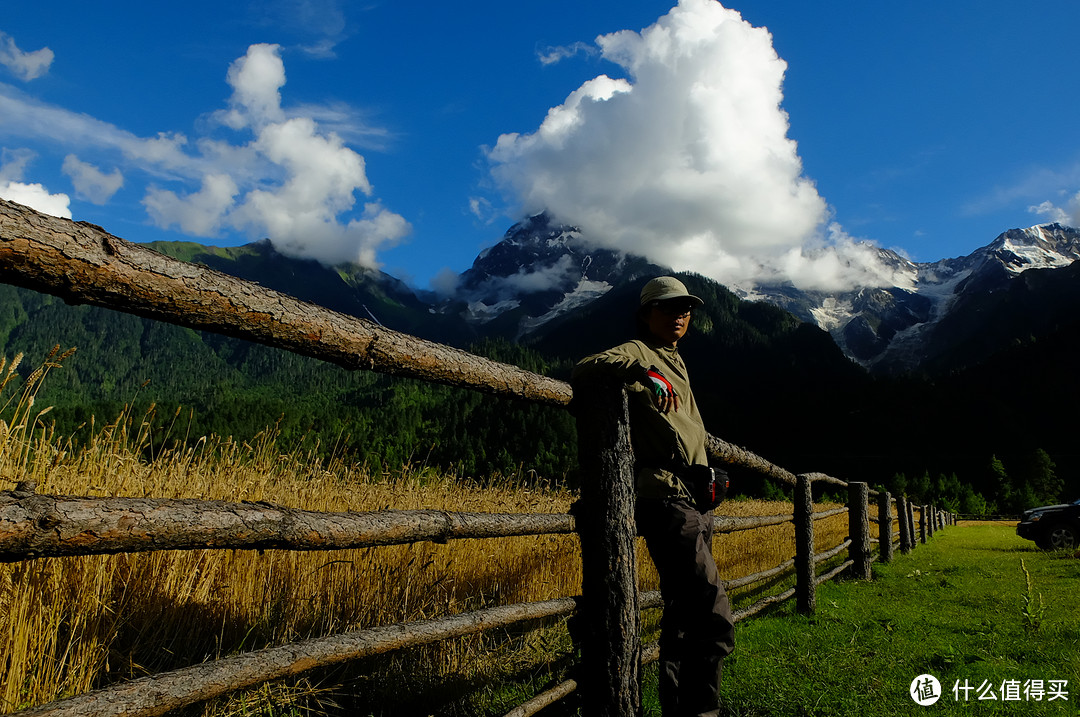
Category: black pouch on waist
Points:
column 708, row 486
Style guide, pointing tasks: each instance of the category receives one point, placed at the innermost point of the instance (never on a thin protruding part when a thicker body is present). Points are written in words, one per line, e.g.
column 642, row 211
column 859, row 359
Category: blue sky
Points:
column 412, row 135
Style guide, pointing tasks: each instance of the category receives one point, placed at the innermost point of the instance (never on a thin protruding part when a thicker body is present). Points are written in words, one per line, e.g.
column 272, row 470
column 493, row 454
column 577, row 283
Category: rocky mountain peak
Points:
column 1043, row 246
column 540, row 269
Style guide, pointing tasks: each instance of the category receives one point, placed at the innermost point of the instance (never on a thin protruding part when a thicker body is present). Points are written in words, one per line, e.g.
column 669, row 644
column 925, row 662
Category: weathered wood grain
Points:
column 610, row 645
column 48, row 525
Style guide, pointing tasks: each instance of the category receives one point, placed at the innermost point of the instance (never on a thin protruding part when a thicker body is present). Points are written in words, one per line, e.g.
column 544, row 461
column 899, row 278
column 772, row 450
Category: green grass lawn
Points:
column 958, row 608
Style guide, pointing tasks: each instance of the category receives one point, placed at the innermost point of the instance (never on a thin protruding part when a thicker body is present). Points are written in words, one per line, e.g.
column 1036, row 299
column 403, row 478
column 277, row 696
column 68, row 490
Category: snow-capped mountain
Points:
column 542, row 270
column 539, row 271
column 895, row 328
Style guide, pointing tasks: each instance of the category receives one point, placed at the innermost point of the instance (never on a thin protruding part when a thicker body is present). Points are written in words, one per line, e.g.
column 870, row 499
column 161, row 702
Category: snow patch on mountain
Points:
column 585, row 292
column 481, row 313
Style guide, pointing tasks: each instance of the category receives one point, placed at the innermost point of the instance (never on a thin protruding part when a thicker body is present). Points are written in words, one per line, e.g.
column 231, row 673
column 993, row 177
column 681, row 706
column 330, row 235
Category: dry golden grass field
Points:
column 68, row 625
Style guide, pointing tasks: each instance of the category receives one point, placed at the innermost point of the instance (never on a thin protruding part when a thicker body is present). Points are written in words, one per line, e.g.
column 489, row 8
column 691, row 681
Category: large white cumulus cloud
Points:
column 291, row 182
column 687, row 161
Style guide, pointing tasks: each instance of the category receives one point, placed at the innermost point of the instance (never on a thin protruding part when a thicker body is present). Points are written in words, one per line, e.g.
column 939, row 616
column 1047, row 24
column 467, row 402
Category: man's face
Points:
column 669, row 320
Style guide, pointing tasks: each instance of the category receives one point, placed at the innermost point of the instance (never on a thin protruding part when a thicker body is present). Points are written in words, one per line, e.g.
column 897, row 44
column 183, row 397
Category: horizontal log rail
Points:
column 733, row 524
column 37, row 525
column 549, row 697
column 754, row 609
column 825, row 577
column 822, row 557
column 737, row 456
column 823, row 478
column 756, row 577
column 34, row 525
column 164, row 692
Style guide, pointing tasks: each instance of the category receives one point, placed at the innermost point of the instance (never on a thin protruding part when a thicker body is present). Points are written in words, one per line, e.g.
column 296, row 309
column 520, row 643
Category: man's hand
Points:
column 666, row 398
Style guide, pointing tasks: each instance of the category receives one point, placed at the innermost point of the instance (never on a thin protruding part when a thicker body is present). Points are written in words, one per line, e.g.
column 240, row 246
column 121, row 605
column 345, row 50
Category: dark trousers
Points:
column 696, row 631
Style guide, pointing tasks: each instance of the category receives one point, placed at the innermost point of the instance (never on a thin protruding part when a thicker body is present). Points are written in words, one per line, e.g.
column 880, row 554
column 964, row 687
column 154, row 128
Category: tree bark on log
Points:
column 905, row 524
column 755, row 577
column 859, row 529
column 84, row 264
column 806, row 601
column 831, row 553
column 734, row 524
column 751, row 610
column 825, row 577
column 611, row 646
column 732, row 454
column 830, row 513
column 45, row 526
column 911, row 524
column 158, row 694
column 544, row 699
column 885, row 520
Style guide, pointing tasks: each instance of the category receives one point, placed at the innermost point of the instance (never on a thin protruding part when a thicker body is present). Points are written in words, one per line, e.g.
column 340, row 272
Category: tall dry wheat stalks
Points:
column 68, row 625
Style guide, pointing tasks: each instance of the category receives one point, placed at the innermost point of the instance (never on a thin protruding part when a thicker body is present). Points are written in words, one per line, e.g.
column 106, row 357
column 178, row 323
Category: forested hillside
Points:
column 230, row 387
column 235, row 388
column 764, row 380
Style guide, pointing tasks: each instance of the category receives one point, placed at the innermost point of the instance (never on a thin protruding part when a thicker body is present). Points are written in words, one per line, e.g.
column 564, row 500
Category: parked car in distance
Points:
column 1052, row 527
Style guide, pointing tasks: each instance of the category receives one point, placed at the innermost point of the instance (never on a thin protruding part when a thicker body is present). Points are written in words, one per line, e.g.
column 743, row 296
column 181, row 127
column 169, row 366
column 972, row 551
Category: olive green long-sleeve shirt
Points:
column 660, row 440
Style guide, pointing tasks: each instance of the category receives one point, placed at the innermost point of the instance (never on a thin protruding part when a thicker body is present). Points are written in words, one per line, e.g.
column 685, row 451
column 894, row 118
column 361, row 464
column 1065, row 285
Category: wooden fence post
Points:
column 859, row 529
column 610, row 619
column 922, row 523
column 911, row 523
column 805, row 571
column 931, row 520
column 885, row 526
column 905, row 526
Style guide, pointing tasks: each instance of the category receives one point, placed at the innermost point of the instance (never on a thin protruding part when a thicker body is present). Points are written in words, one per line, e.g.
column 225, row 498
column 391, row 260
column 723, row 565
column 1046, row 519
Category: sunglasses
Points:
column 674, row 308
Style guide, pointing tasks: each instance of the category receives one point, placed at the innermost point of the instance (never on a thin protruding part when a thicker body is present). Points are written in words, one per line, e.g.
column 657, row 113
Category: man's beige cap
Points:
column 663, row 288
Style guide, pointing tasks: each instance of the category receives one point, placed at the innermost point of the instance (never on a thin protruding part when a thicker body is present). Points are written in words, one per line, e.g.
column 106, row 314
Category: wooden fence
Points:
column 84, row 264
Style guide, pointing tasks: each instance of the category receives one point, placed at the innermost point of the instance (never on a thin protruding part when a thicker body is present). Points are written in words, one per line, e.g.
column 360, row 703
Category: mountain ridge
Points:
column 539, row 270
column 542, row 271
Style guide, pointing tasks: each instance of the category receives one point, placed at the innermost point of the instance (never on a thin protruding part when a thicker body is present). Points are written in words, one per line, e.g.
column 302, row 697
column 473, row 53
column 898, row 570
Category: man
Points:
column 668, row 438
